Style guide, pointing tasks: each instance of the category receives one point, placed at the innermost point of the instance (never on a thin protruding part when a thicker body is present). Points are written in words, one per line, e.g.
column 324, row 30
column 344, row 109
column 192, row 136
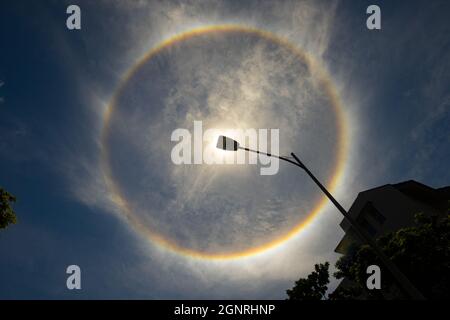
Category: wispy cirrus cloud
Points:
column 247, row 88
column 364, row 67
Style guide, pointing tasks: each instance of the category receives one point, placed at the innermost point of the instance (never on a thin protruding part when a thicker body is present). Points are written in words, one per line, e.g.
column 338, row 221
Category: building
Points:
column 391, row 207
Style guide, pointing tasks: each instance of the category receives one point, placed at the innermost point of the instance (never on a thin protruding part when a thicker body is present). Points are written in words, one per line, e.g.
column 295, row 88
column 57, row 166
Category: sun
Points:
column 217, row 155
column 156, row 227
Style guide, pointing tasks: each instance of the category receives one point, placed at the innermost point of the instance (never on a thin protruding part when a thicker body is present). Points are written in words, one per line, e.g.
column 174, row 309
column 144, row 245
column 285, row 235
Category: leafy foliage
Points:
column 421, row 252
column 7, row 214
column 313, row 287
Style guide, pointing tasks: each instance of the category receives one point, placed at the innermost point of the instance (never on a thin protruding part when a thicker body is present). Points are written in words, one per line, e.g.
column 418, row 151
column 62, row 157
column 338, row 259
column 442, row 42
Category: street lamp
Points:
column 229, row 144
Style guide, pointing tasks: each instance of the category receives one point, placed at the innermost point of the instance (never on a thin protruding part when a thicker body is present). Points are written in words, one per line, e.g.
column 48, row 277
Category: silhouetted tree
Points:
column 7, row 214
column 313, row 287
column 421, row 252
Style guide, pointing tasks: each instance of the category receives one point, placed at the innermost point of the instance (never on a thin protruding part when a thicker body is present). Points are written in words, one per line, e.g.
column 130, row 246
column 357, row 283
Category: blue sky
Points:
column 55, row 84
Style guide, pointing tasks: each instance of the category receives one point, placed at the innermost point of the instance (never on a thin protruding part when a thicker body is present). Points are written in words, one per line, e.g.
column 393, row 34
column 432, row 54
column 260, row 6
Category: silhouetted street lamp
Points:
column 229, row 144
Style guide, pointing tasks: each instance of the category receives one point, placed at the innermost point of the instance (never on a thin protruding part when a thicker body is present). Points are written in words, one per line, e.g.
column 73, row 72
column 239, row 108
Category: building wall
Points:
column 393, row 210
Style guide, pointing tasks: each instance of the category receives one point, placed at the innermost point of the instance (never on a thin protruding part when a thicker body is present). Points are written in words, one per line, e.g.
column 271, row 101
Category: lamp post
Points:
column 229, row 144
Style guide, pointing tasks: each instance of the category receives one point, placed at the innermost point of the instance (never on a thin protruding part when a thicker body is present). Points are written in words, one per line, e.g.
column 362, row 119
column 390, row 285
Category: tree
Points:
column 7, row 214
column 421, row 252
column 313, row 287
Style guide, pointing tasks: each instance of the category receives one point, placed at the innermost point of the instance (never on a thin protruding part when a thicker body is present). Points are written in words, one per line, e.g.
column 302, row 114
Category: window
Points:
column 370, row 210
column 367, row 226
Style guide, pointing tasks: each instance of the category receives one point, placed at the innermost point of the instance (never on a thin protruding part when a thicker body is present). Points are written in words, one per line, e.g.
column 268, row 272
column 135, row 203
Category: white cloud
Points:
column 308, row 25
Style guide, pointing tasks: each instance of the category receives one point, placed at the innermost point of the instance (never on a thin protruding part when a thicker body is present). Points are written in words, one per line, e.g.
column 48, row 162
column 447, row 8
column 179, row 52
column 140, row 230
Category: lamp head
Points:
column 227, row 144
